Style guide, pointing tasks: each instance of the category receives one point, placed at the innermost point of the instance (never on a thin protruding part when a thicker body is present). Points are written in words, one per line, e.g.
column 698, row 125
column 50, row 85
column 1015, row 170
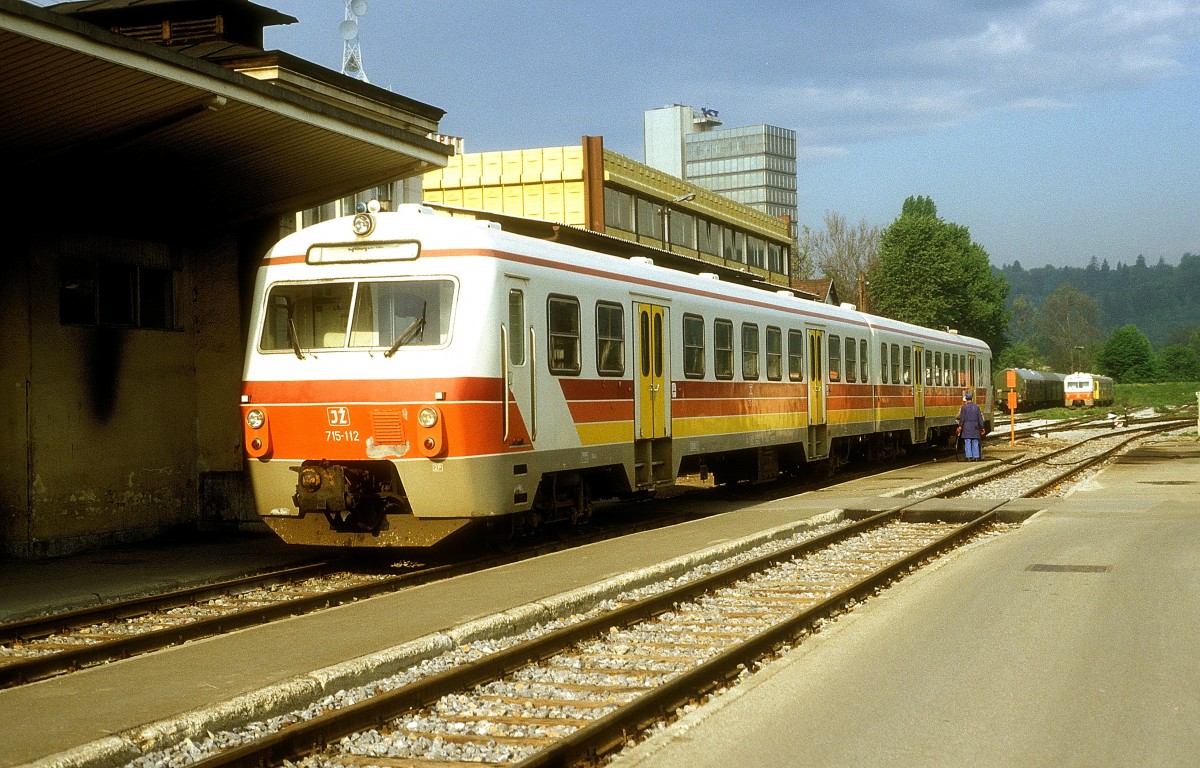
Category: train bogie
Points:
column 409, row 374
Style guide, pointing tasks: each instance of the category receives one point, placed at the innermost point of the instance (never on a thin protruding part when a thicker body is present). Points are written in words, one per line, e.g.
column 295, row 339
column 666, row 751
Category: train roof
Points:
column 595, row 249
column 1029, row 373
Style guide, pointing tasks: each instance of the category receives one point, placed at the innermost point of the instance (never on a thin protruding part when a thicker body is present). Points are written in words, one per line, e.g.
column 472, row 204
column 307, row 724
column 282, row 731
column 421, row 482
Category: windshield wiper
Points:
column 295, row 339
column 410, row 333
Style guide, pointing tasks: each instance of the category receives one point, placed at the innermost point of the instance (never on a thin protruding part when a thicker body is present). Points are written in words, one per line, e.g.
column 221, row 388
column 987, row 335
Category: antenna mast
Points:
column 348, row 29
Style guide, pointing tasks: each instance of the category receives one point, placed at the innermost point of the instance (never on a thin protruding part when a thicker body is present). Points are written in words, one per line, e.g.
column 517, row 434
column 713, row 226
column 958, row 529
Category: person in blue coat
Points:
column 970, row 426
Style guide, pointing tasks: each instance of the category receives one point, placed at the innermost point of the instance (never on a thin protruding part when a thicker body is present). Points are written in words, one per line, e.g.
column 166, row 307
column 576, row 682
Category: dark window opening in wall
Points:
column 115, row 294
column 77, row 292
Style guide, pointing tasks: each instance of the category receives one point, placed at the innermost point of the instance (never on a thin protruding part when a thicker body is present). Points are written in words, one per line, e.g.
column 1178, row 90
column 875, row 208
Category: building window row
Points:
column 643, row 217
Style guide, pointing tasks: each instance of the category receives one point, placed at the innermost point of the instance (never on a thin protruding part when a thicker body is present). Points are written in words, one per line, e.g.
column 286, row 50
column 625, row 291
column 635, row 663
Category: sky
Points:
column 1057, row 131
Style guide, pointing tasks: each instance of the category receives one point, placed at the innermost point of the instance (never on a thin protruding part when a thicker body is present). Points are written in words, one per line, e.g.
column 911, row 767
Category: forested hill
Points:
column 1161, row 300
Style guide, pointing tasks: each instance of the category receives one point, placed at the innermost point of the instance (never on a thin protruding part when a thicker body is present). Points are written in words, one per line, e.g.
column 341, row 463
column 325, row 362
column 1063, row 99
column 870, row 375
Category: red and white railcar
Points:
column 410, row 373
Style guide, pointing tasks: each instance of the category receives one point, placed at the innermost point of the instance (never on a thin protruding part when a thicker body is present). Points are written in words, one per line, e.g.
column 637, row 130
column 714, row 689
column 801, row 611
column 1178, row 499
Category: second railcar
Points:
column 1033, row 389
column 1085, row 390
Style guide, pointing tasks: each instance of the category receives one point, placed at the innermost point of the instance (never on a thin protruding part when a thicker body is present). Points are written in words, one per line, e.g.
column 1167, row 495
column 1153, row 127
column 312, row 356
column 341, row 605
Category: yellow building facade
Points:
column 592, row 188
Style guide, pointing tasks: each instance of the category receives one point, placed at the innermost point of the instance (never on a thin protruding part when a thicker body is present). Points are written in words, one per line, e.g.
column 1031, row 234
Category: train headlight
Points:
column 362, row 224
column 255, row 419
column 427, row 417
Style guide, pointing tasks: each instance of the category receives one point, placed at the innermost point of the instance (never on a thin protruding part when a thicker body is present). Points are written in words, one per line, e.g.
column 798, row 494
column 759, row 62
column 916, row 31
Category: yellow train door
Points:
column 816, row 377
column 918, row 378
column 653, row 413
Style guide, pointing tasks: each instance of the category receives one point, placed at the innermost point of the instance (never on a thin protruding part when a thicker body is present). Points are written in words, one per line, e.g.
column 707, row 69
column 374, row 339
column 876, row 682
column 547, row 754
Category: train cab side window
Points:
column 896, row 364
column 795, row 355
column 610, row 339
column 835, row 358
column 693, row 346
column 516, row 327
column 851, row 360
column 562, row 314
column 774, row 354
column 723, row 349
column 907, row 365
column 883, row 364
column 750, row 351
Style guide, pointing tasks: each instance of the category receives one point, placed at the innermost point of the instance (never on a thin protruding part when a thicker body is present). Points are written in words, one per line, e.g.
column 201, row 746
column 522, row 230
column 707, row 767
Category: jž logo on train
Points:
column 339, row 416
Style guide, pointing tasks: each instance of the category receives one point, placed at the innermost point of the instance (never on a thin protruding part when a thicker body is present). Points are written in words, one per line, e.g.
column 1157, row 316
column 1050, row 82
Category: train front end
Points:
column 364, row 386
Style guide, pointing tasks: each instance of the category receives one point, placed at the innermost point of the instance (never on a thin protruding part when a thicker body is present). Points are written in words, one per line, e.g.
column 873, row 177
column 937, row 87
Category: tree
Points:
column 1022, row 326
column 930, row 273
column 840, row 251
column 1127, row 356
column 802, row 256
column 1068, row 319
column 1020, row 355
column 1178, row 363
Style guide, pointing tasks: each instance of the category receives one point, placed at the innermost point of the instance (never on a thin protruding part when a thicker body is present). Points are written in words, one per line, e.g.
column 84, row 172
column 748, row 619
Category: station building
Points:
column 601, row 191
column 151, row 148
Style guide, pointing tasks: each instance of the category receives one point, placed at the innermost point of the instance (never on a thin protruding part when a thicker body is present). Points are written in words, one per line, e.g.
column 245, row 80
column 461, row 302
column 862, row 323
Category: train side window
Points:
column 562, row 315
column 851, row 360
column 693, row 346
column 907, row 357
column 937, row 368
column 929, row 367
column 750, row 351
column 610, row 339
column 862, row 362
column 946, row 379
column 723, row 349
column 835, row 358
column 895, row 363
column 774, row 353
column 795, row 355
column 516, row 327
column 883, row 364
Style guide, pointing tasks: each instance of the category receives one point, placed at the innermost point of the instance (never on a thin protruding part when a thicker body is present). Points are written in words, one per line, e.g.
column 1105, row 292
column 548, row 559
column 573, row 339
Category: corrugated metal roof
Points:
column 112, row 127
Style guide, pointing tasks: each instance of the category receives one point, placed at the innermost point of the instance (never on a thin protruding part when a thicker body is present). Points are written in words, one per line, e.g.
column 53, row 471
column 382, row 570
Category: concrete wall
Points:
column 119, row 433
column 14, row 373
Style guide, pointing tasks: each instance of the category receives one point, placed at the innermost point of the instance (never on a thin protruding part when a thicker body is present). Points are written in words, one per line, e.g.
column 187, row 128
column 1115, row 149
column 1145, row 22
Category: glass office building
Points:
column 754, row 165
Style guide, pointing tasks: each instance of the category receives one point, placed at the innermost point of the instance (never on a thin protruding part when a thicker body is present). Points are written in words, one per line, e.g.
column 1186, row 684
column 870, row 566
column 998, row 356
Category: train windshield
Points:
column 357, row 315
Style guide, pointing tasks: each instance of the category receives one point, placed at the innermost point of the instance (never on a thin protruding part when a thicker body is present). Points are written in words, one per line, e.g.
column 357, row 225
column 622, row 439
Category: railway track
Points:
column 580, row 690
column 1043, row 472
column 583, row 689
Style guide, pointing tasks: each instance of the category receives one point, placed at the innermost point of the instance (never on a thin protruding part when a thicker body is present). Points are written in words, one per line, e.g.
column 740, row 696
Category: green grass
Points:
column 1161, row 397
column 1131, row 397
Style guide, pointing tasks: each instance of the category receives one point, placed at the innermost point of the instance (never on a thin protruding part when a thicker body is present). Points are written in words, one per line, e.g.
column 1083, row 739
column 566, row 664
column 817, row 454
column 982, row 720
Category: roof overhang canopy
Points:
column 116, row 130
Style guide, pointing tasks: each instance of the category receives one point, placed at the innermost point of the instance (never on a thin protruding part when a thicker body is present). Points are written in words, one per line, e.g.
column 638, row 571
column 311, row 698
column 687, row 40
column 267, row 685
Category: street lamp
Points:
column 666, row 217
column 1073, row 368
